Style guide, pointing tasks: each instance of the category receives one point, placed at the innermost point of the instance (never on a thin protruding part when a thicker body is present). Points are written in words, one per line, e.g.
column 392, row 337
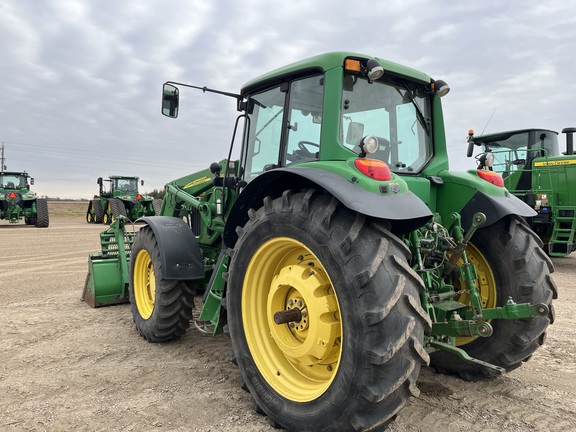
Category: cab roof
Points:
column 324, row 62
column 22, row 173
column 499, row 136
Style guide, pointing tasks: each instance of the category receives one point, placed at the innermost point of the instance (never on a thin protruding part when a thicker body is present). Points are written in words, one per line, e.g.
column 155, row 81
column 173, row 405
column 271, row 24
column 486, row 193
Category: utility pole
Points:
column 2, row 166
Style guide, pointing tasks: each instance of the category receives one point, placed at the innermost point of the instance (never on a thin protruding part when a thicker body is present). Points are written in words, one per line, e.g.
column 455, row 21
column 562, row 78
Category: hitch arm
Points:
column 489, row 369
column 512, row 310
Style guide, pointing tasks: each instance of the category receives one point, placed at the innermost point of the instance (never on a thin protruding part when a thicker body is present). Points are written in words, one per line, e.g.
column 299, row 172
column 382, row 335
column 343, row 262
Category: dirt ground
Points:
column 68, row 367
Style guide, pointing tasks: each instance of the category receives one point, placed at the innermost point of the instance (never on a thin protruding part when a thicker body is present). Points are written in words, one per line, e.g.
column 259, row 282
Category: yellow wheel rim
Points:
column 89, row 218
column 485, row 281
column 144, row 284
column 299, row 360
column 111, row 218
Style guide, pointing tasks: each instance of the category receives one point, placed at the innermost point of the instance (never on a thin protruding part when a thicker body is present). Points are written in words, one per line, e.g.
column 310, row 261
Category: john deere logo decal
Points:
column 197, row 182
column 556, row 163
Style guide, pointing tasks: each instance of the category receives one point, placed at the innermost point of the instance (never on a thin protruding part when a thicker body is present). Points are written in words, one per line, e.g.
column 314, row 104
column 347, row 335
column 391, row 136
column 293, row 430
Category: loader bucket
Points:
column 107, row 278
column 104, row 283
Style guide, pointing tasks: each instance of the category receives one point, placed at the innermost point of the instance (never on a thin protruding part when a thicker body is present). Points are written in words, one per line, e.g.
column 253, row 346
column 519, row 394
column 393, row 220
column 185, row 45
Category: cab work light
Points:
column 352, row 65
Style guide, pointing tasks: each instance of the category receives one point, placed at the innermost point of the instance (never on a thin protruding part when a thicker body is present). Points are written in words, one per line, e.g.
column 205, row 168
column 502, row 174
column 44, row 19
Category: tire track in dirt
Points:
column 68, row 367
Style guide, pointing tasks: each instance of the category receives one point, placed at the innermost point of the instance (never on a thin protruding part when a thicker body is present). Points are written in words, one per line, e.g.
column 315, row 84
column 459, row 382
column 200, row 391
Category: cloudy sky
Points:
column 80, row 80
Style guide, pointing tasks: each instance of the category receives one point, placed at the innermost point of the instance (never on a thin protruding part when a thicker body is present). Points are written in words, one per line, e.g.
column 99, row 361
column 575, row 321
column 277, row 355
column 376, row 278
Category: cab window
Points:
column 283, row 126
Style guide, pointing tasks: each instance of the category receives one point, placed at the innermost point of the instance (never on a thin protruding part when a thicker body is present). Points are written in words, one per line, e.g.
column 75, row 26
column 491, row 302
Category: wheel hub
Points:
column 292, row 319
column 310, row 340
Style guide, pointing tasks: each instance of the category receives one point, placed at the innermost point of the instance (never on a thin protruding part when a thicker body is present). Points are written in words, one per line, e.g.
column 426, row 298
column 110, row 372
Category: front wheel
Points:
column 161, row 308
column 98, row 211
column 510, row 264
column 324, row 315
column 90, row 213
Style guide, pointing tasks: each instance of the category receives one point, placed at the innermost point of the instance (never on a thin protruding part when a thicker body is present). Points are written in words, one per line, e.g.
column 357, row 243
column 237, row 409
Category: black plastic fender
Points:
column 494, row 207
column 180, row 254
column 404, row 211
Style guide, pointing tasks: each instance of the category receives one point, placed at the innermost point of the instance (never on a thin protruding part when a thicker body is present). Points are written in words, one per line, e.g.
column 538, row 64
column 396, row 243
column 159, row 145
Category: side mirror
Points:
column 170, row 98
column 31, row 181
column 355, row 133
column 470, row 149
column 471, row 143
column 141, row 182
column 99, row 181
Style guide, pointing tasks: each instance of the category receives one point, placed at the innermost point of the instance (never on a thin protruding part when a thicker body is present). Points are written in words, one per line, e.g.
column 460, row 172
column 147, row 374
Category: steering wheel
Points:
column 302, row 145
column 302, row 153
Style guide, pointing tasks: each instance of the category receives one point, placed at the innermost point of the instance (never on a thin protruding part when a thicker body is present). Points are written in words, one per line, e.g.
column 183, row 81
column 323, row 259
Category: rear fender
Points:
column 405, row 211
column 465, row 193
column 494, row 207
column 180, row 255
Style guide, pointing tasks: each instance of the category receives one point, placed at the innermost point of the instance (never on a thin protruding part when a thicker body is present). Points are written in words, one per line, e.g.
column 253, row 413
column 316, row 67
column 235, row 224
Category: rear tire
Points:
column 42, row 217
column 515, row 266
column 161, row 309
column 118, row 208
column 352, row 361
column 98, row 211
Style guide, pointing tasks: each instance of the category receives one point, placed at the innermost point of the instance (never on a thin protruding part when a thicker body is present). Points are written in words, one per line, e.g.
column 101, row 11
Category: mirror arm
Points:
column 206, row 89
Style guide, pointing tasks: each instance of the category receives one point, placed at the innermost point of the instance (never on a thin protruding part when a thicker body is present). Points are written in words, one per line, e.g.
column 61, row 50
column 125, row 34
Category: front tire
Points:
column 510, row 263
column 161, row 309
column 352, row 360
column 90, row 213
column 98, row 211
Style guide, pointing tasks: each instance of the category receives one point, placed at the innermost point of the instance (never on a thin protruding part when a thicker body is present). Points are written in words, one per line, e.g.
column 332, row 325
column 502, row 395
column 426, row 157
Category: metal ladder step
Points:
column 562, row 238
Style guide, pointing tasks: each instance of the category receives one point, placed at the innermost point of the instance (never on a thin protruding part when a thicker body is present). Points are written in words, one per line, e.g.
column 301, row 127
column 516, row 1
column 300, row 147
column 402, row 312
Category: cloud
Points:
column 82, row 78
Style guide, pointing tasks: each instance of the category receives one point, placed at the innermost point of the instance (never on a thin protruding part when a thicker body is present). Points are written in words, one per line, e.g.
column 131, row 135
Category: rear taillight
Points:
column 491, row 177
column 373, row 168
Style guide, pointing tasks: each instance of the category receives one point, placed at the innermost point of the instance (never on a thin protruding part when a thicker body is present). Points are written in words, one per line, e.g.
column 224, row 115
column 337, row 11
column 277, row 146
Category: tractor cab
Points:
column 513, row 153
column 377, row 116
column 119, row 186
column 535, row 170
column 124, row 185
column 15, row 181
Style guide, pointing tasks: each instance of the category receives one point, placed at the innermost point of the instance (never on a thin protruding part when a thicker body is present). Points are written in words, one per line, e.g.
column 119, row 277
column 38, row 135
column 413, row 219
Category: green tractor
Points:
column 534, row 170
column 121, row 199
column 17, row 201
column 338, row 251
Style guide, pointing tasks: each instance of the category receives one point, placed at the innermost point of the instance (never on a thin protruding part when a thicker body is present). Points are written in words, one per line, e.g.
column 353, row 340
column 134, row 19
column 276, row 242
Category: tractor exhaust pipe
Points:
column 569, row 131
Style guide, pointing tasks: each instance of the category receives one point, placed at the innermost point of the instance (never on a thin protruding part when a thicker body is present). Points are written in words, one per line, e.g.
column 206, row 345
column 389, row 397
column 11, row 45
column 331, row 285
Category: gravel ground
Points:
column 68, row 367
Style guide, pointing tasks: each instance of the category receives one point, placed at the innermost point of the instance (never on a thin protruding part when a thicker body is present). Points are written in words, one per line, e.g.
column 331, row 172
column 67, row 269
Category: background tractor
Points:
column 121, row 199
column 338, row 251
column 534, row 169
column 17, row 201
